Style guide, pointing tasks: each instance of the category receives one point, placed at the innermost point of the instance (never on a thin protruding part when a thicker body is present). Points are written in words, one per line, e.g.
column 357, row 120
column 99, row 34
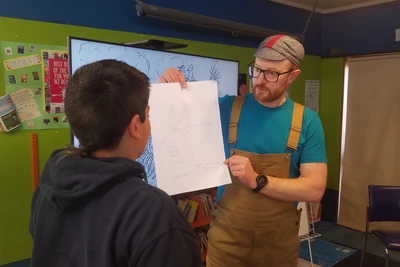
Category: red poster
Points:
column 58, row 76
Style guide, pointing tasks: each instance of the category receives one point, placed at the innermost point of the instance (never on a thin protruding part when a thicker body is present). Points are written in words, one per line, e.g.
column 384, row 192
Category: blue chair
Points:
column 384, row 206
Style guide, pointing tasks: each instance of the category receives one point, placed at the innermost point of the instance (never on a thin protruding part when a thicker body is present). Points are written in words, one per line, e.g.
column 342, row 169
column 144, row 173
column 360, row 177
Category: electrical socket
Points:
column 397, row 37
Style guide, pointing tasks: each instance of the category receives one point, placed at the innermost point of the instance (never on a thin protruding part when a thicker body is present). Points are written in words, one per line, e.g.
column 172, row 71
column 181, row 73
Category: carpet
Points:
column 370, row 260
column 351, row 238
column 324, row 253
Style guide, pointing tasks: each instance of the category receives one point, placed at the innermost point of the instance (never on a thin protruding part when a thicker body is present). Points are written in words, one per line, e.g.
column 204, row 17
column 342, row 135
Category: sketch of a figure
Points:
column 182, row 68
column 189, row 127
column 214, row 72
column 175, row 141
column 189, row 75
column 185, row 66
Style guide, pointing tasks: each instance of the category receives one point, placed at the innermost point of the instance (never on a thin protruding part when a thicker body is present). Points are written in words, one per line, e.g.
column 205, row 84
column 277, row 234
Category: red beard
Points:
column 266, row 94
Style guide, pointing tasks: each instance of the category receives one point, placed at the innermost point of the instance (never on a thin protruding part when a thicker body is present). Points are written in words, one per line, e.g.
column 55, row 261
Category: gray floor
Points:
column 352, row 238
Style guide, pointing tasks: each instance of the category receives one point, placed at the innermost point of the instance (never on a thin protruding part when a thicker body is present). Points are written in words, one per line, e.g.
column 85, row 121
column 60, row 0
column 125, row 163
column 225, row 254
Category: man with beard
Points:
column 275, row 151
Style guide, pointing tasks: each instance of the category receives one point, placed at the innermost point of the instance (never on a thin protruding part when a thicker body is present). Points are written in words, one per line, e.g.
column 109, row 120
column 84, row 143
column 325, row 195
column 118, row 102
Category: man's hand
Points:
column 241, row 168
column 172, row 75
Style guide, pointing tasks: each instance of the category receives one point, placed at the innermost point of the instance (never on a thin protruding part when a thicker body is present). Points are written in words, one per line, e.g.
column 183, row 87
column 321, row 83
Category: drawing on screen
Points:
column 154, row 63
column 147, row 160
column 214, row 73
column 91, row 52
column 216, row 76
column 142, row 64
column 187, row 130
column 187, row 72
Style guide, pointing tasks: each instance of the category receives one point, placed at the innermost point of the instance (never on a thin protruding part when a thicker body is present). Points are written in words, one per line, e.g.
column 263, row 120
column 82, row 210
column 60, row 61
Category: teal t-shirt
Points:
column 265, row 130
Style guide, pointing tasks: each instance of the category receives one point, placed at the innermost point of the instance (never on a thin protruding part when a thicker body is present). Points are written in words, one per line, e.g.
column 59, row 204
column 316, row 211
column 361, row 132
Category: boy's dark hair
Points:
column 100, row 100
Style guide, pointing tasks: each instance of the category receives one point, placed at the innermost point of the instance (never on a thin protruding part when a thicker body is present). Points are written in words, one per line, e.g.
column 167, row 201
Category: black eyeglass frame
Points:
column 251, row 73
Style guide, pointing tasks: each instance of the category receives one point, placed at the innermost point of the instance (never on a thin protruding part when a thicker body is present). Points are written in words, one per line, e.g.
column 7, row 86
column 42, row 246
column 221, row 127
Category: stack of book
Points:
column 196, row 207
column 203, row 241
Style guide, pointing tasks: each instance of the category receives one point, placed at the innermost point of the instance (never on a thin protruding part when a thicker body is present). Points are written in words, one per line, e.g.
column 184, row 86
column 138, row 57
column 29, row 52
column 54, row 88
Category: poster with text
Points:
column 55, row 69
column 35, row 77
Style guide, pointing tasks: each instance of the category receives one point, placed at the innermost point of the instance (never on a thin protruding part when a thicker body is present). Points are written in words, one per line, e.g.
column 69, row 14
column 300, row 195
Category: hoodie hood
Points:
column 68, row 180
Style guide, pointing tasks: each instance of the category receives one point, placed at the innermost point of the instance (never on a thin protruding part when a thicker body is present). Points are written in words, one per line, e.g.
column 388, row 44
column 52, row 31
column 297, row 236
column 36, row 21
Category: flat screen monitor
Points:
column 153, row 63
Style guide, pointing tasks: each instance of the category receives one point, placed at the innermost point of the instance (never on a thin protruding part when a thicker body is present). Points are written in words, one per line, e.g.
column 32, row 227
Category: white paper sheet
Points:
column 312, row 95
column 27, row 107
column 187, row 137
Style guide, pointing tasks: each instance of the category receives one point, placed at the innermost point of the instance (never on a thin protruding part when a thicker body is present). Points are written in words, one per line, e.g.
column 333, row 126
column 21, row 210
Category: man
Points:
column 268, row 139
column 92, row 207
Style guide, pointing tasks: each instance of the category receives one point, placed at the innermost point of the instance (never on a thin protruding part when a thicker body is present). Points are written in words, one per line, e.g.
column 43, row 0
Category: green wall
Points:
column 331, row 101
column 310, row 70
column 330, row 72
column 15, row 161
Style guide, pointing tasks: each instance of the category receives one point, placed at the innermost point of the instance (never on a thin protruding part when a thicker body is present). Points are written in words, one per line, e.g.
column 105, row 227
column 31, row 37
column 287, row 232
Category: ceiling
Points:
column 329, row 6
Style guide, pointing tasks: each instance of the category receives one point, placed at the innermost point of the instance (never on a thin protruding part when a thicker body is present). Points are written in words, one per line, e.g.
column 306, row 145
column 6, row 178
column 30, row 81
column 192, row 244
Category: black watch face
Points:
column 262, row 180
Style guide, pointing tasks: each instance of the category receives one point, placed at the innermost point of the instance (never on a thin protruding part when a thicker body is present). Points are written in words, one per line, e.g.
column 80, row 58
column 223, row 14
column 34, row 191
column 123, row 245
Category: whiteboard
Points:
column 153, row 63
column 304, row 222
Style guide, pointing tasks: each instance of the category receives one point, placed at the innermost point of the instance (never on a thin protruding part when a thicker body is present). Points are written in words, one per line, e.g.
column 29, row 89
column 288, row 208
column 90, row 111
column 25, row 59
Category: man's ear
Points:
column 133, row 127
column 293, row 75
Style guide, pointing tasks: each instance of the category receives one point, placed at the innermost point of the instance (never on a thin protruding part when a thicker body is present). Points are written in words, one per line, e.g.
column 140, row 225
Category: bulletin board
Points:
column 35, row 76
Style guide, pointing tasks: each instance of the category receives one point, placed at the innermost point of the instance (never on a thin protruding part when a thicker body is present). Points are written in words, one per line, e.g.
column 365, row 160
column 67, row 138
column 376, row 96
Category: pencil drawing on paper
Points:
column 187, row 130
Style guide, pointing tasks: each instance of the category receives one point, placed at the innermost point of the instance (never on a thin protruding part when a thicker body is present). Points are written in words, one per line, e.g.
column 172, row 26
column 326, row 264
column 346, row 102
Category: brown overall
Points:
column 250, row 229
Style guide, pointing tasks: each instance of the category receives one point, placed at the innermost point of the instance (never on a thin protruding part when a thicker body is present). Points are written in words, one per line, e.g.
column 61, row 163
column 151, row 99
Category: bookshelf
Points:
column 197, row 207
column 201, row 218
column 199, row 223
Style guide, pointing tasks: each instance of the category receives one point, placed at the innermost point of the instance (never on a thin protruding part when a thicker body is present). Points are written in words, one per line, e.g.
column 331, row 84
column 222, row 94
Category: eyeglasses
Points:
column 269, row 75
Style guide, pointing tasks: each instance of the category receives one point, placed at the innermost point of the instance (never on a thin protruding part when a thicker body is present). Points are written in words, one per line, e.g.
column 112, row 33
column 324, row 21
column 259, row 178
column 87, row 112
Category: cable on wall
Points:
column 309, row 19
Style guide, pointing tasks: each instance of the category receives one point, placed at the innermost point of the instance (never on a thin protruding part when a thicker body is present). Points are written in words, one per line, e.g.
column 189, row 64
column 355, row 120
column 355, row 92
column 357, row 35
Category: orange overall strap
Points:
column 235, row 114
column 295, row 129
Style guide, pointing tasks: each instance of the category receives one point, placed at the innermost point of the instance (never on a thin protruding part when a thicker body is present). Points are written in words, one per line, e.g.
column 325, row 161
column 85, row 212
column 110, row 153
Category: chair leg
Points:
column 386, row 257
column 364, row 248
column 309, row 248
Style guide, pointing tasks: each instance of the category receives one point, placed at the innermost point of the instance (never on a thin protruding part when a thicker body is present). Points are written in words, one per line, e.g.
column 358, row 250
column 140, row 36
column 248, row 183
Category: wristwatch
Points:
column 261, row 181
